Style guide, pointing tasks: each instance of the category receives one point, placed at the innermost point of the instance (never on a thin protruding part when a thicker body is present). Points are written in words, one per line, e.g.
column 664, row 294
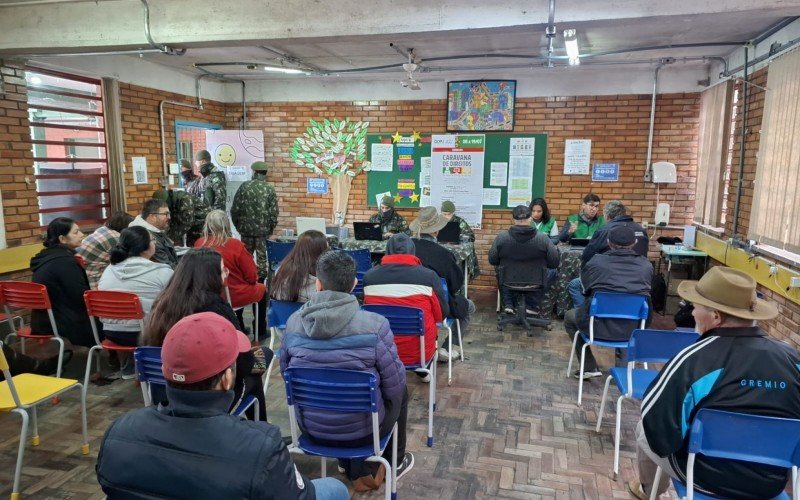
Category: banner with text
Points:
column 457, row 174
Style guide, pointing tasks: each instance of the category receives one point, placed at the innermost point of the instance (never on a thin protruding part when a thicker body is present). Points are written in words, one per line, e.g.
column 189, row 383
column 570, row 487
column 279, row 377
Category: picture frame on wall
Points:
column 481, row 105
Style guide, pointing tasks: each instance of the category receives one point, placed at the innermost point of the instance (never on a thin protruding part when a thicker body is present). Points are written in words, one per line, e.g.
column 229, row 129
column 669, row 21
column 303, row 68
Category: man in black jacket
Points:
column 619, row 270
column 525, row 256
column 734, row 367
column 192, row 447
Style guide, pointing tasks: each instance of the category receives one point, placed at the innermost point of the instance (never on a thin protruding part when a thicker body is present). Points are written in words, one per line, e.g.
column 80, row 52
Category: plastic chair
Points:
column 276, row 252
column 447, row 323
column 9, row 317
column 358, row 290
column 277, row 316
column 408, row 321
column 644, row 346
column 341, row 391
column 611, row 306
column 111, row 305
column 258, row 309
column 26, row 295
column 362, row 258
column 740, row 436
column 26, row 391
column 149, row 372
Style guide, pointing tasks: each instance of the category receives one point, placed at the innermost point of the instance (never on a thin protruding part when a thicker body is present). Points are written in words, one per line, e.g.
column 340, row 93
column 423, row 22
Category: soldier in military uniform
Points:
column 187, row 214
column 254, row 212
column 391, row 222
column 192, row 182
column 467, row 235
column 215, row 191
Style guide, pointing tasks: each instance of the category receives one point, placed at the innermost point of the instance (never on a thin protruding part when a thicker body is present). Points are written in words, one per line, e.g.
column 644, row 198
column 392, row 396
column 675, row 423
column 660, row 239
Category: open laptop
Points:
column 308, row 223
column 579, row 242
column 367, row 231
column 450, row 233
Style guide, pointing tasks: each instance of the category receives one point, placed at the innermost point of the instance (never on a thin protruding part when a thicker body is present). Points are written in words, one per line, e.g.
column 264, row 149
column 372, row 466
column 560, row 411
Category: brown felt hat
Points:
column 428, row 221
column 730, row 291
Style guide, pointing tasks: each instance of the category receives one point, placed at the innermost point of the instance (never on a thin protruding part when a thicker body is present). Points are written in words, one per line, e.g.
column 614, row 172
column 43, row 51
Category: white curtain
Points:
column 715, row 123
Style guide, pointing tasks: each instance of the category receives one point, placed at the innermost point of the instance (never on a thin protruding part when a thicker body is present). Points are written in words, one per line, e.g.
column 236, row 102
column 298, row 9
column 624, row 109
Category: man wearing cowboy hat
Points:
column 734, row 366
column 425, row 228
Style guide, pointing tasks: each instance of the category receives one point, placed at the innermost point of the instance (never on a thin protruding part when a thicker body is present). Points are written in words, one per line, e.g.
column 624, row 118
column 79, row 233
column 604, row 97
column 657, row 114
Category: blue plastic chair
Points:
column 408, row 321
column 607, row 305
column 358, row 290
column 739, row 436
column 644, row 346
column 278, row 313
column 148, row 371
column 342, row 391
column 448, row 323
column 276, row 252
column 362, row 258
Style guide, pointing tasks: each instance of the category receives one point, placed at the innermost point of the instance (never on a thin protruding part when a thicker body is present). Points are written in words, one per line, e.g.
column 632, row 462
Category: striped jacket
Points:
column 402, row 280
column 731, row 369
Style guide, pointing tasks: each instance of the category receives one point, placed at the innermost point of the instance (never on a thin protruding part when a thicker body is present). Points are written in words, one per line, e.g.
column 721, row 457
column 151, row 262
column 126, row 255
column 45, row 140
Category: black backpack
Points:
column 658, row 293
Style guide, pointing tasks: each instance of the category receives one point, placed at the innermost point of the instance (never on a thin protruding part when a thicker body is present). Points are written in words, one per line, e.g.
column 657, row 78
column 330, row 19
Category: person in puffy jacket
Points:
column 332, row 331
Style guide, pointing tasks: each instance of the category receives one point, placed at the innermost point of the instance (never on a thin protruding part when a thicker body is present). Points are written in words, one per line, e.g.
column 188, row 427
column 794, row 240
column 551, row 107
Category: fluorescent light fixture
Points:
column 288, row 71
column 35, row 80
column 571, row 44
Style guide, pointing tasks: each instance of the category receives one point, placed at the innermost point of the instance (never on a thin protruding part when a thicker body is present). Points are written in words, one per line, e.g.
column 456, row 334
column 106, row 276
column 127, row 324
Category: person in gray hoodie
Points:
column 155, row 218
column 131, row 270
column 332, row 331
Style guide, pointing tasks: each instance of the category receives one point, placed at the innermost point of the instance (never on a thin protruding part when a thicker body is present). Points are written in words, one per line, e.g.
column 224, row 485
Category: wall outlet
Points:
column 773, row 270
column 794, row 282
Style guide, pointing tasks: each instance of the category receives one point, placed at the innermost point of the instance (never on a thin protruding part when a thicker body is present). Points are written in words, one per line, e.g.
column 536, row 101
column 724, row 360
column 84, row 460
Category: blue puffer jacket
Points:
column 331, row 331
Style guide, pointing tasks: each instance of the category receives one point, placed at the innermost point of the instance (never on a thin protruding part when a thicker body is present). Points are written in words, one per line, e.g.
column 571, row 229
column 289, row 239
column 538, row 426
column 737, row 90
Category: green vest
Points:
column 585, row 229
column 544, row 227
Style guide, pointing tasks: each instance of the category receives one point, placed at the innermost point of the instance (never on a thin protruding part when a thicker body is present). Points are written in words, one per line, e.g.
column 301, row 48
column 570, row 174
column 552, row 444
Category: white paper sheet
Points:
column 491, row 196
column 382, row 157
column 577, row 153
column 522, row 146
column 379, row 197
column 139, row 164
column 499, row 173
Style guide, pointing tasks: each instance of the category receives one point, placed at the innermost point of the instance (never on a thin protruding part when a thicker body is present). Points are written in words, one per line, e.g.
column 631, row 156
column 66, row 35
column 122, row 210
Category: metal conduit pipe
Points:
column 786, row 46
column 163, row 48
column 223, row 78
column 740, row 180
column 161, row 105
column 550, row 32
column 648, row 172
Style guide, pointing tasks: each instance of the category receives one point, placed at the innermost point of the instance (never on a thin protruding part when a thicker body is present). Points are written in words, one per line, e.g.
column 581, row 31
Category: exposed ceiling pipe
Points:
column 77, row 54
column 166, row 49
column 752, row 62
column 225, row 78
column 786, row 21
column 648, row 174
column 290, row 58
column 550, row 32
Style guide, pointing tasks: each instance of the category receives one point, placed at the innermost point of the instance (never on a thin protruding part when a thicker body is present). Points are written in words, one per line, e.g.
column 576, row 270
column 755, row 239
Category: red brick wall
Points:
column 617, row 125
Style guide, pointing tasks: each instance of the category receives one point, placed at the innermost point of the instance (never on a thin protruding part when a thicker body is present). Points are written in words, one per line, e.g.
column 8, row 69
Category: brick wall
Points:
column 617, row 125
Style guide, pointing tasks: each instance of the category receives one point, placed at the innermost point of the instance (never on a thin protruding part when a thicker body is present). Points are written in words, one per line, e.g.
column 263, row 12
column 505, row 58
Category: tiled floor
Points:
column 508, row 427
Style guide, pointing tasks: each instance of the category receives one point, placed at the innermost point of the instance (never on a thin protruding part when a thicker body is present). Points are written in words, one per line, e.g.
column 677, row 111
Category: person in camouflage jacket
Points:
column 187, row 215
column 467, row 234
column 192, row 182
column 391, row 222
column 254, row 212
column 215, row 190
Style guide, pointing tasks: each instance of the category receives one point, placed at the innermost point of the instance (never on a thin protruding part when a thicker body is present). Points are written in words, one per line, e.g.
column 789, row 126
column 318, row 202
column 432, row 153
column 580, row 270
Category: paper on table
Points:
column 499, row 173
column 491, row 196
column 382, row 157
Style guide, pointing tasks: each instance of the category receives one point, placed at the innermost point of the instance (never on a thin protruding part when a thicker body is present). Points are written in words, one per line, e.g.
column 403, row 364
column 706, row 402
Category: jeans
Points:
column 575, row 290
column 533, row 300
column 330, row 488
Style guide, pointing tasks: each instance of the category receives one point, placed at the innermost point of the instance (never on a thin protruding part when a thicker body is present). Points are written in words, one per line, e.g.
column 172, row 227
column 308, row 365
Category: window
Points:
column 775, row 204
column 68, row 137
column 190, row 137
column 712, row 153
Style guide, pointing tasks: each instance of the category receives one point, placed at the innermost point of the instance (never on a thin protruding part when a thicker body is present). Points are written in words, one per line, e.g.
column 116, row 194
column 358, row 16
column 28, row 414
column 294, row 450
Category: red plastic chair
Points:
column 26, row 295
column 109, row 305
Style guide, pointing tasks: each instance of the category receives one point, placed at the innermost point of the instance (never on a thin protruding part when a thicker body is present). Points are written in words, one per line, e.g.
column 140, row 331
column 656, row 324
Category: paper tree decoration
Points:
column 337, row 149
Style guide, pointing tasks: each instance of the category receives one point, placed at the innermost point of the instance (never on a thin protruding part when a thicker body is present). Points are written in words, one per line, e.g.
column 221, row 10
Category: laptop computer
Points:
column 367, row 231
column 579, row 242
column 308, row 223
column 450, row 233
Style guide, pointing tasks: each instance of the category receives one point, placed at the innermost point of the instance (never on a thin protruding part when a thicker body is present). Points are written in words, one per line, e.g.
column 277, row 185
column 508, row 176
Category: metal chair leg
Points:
column 23, row 433
column 580, row 373
column 460, row 342
column 450, row 355
column 60, row 356
column 431, row 398
column 35, row 422
column 572, row 353
column 617, row 436
column 393, row 472
column 654, row 487
column 603, row 403
column 84, row 426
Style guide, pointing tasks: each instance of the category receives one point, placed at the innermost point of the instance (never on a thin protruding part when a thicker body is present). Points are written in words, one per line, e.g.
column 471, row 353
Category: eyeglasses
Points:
column 162, row 213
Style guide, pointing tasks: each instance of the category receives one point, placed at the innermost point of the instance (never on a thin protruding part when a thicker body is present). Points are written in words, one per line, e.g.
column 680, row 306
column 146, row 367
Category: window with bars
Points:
column 69, row 149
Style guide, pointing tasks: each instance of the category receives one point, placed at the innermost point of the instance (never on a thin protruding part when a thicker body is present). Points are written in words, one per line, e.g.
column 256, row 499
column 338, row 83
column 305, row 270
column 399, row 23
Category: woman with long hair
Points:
column 242, row 281
column 57, row 268
column 197, row 286
column 542, row 220
column 295, row 280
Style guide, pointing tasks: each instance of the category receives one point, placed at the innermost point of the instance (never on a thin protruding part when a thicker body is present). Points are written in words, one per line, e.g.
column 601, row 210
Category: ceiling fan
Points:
column 410, row 67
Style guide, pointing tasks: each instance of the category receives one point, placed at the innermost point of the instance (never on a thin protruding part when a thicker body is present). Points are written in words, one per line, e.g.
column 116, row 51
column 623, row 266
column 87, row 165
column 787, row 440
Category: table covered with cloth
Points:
column 569, row 267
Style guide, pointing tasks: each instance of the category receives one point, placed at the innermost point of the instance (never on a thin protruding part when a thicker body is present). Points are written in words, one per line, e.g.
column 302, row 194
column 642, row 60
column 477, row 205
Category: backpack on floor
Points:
column 658, row 293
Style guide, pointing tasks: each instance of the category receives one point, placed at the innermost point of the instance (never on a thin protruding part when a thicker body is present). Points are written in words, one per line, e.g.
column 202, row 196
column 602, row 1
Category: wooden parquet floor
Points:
column 508, row 427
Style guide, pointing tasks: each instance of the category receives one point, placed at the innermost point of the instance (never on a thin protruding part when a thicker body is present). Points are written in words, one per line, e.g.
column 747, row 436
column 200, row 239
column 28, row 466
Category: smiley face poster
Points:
column 235, row 150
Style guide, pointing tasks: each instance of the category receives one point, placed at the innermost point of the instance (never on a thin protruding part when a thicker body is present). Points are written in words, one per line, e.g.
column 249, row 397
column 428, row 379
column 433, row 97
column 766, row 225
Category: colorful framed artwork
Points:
column 481, row 105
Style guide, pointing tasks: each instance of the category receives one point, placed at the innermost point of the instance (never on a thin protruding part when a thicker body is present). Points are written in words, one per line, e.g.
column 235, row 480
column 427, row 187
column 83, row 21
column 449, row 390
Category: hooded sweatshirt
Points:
column 138, row 275
column 331, row 331
column 525, row 255
column 165, row 249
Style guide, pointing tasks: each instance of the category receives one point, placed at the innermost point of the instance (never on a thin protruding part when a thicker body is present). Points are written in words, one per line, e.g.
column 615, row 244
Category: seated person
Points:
column 184, row 209
column 96, row 248
column 155, row 218
column 443, row 262
column 391, row 222
column 192, row 447
column 542, row 220
column 713, row 373
column 402, row 280
column 449, row 213
column 525, row 255
column 296, row 279
column 585, row 223
column 331, row 331
column 619, row 270
column 242, row 282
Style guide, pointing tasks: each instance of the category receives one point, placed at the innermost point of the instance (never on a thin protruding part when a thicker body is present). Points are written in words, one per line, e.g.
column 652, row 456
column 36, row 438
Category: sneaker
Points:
column 587, row 374
column 636, row 490
column 406, row 465
column 425, row 377
column 128, row 370
column 531, row 312
column 444, row 355
column 509, row 310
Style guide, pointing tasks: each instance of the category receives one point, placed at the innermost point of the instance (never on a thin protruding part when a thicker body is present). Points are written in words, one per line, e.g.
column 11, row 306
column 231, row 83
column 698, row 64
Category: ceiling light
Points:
column 288, row 71
column 571, row 44
column 35, row 80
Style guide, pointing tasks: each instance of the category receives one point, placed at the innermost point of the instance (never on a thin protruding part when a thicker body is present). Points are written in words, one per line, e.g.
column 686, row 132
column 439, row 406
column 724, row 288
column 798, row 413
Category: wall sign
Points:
column 605, row 172
column 317, row 185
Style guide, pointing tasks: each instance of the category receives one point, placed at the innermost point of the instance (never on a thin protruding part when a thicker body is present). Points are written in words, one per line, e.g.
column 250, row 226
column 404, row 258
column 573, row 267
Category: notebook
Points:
column 367, row 231
column 308, row 223
column 579, row 242
column 450, row 233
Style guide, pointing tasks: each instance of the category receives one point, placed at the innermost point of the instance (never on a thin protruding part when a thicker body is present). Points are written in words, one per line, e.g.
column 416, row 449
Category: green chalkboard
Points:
column 497, row 150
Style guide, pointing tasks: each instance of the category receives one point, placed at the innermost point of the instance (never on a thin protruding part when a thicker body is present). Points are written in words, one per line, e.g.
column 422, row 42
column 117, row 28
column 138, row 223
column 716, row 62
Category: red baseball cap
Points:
column 200, row 346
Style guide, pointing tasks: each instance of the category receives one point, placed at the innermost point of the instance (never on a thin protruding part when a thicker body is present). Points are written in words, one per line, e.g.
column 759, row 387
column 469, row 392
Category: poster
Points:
column 491, row 196
column 520, row 180
column 317, row 185
column 457, row 173
column 425, row 181
column 238, row 173
column 382, row 157
column 379, row 197
column 577, row 153
column 605, row 172
column 139, row 164
column 499, row 173
column 522, row 146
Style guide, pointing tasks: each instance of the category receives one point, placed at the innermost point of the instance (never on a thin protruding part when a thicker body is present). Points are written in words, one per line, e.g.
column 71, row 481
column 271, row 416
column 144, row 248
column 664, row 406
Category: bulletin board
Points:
column 497, row 150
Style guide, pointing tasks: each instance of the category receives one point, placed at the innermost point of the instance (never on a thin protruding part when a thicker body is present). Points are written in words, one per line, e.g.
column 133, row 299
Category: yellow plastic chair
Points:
column 24, row 391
